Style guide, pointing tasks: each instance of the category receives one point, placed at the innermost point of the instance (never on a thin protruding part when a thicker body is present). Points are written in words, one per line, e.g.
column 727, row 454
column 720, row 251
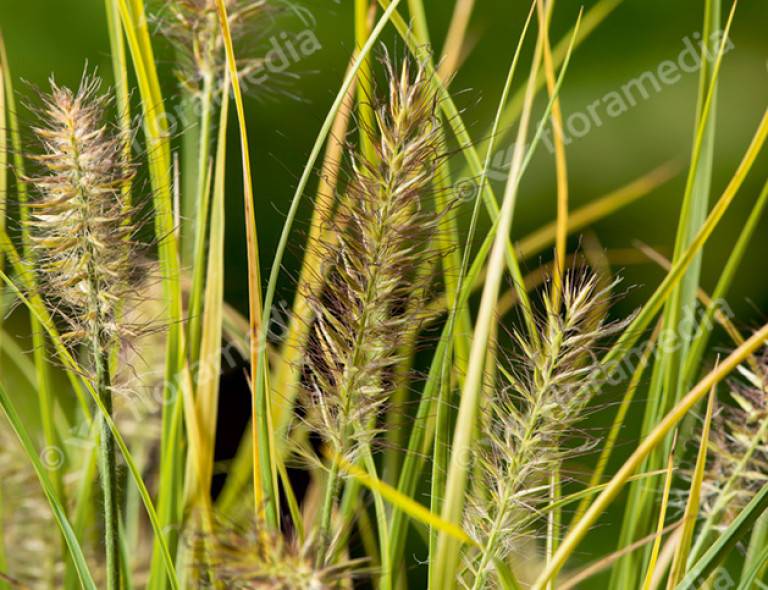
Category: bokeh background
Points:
column 46, row 37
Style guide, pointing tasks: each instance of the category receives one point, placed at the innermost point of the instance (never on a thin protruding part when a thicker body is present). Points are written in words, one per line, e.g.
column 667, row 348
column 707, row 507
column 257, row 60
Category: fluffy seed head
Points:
column 374, row 270
column 80, row 222
column 738, row 450
column 543, row 395
column 193, row 26
column 253, row 559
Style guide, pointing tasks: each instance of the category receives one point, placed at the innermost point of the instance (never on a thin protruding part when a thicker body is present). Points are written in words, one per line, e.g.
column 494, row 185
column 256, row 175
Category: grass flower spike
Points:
column 251, row 558
column 384, row 229
column 739, row 448
column 193, row 26
column 81, row 232
column 545, row 393
column 81, row 227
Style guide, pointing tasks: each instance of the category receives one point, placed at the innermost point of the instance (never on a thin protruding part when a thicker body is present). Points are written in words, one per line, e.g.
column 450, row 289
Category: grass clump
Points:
column 391, row 445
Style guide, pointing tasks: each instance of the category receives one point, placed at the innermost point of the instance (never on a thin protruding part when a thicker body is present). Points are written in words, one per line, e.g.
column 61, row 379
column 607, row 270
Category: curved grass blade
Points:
column 662, row 518
column 694, row 499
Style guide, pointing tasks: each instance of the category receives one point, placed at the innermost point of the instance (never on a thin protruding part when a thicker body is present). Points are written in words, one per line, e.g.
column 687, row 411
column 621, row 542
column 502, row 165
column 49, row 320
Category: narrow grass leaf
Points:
column 662, row 518
column 694, row 499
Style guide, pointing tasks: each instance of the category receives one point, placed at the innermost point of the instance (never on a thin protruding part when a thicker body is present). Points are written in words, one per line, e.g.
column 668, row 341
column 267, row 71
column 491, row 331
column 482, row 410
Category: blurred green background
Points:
column 45, row 37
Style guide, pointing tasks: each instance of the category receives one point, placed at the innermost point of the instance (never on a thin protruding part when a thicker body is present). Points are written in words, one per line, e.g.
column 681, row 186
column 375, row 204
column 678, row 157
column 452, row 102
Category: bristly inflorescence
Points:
column 540, row 400
column 81, row 226
column 738, row 447
column 193, row 25
column 374, row 270
column 252, row 558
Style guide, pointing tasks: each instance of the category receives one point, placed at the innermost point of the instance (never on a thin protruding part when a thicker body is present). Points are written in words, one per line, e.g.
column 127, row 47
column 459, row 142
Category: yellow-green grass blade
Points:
column 122, row 89
column 71, row 365
column 418, row 18
column 453, row 46
column 157, row 136
column 59, row 514
column 757, row 554
column 406, row 504
column 83, row 515
column 725, row 280
column 691, row 514
column 365, row 83
column 3, row 199
column 195, row 203
column 600, row 208
column 725, row 543
column 378, row 491
column 264, row 470
column 207, row 378
column 662, row 519
column 561, row 165
column 592, row 18
column 46, row 399
column 3, row 338
column 667, row 385
column 447, row 549
column 756, row 558
column 646, row 446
